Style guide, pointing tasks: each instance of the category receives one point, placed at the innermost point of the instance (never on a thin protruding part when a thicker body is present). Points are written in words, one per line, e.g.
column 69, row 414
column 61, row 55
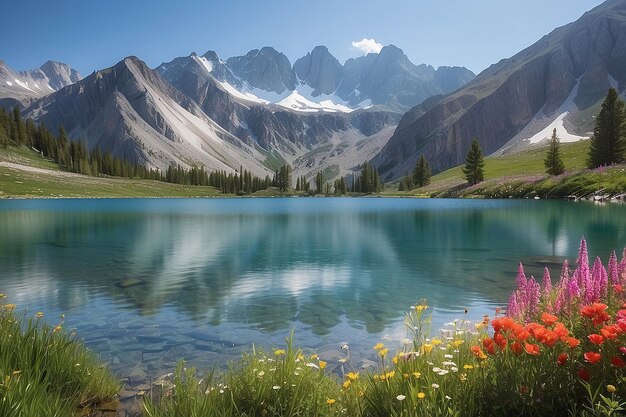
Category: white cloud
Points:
column 367, row 46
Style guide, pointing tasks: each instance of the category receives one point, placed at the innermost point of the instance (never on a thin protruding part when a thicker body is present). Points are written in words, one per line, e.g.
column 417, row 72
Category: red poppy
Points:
column 572, row 342
column 584, row 375
column 596, row 312
column 502, row 323
column 549, row 338
column 596, row 339
column 560, row 330
column 617, row 362
column 610, row 332
column 549, row 319
column 516, row 347
column 531, row 349
column 499, row 340
column 562, row 359
column 489, row 345
column 592, row 357
column 478, row 352
column 522, row 334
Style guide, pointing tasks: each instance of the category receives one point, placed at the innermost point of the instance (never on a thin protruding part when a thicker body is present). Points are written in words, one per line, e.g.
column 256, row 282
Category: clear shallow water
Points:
column 216, row 276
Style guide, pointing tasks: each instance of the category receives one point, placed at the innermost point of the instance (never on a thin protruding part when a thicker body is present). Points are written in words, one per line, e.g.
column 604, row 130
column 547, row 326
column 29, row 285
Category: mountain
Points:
column 558, row 82
column 318, row 81
column 308, row 139
column 265, row 69
column 320, row 70
column 390, row 79
column 131, row 111
column 24, row 87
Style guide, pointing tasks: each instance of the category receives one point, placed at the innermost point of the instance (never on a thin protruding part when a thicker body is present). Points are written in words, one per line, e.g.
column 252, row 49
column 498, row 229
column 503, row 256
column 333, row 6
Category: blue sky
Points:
column 90, row 35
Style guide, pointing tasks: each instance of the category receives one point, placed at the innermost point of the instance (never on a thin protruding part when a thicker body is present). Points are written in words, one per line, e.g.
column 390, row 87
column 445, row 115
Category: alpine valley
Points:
column 261, row 111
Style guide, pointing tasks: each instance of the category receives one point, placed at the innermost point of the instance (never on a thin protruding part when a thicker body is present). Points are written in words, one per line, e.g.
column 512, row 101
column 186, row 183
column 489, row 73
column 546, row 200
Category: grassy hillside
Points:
column 523, row 175
column 25, row 174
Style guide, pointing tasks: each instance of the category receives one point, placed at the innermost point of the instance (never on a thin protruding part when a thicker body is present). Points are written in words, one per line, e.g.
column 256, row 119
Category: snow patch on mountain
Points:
column 205, row 62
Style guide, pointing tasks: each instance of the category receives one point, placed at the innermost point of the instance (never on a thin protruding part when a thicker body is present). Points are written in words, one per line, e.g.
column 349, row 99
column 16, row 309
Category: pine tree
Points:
column 608, row 142
column 319, row 182
column 474, row 163
column 421, row 173
column 553, row 162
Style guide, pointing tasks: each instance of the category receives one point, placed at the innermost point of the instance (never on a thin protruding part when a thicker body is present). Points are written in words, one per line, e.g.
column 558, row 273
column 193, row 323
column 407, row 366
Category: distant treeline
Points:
column 75, row 156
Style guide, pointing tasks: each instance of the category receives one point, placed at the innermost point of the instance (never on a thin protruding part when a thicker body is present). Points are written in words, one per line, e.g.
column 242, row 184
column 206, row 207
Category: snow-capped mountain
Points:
column 132, row 112
column 558, row 82
column 21, row 88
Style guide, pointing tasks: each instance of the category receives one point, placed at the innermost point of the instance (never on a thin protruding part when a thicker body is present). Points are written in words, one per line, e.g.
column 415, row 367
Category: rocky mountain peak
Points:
column 266, row 69
column 320, row 70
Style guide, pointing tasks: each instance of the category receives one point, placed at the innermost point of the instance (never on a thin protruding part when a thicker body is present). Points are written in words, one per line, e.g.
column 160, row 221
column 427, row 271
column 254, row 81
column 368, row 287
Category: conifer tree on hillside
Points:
column 553, row 162
column 421, row 173
column 474, row 164
column 608, row 143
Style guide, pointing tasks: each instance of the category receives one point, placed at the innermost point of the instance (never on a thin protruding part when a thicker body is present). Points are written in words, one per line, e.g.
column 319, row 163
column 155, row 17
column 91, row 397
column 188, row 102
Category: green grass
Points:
column 522, row 175
column 56, row 183
column 45, row 372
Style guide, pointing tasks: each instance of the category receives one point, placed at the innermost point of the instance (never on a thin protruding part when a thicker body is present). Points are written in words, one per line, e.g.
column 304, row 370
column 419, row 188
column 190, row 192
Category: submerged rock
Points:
column 130, row 282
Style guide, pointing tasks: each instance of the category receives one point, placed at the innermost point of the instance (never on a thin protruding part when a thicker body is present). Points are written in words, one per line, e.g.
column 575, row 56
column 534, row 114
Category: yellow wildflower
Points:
column 9, row 307
column 436, row 342
column 379, row 346
column 468, row 366
column 361, row 393
column 395, row 359
column 280, row 352
column 39, row 314
column 390, row 374
column 457, row 343
column 405, row 375
column 347, row 383
column 383, row 352
column 611, row 388
column 57, row 329
column 330, row 401
column 352, row 376
column 314, row 356
column 420, row 308
column 300, row 357
column 416, row 374
column 2, row 295
column 427, row 347
column 322, row 364
column 420, row 395
column 463, row 377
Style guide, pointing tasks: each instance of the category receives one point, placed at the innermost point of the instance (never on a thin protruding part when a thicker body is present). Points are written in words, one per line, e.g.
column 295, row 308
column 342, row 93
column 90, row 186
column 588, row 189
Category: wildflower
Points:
column 436, row 342
column 416, row 374
column 584, row 375
column 516, row 347
column 596, row 312
column 352, row 376
column 260, row 374
column 390, row 374
column 312, row 365
column 531, row 349
column 427, row 347
column 488, row 344
column 420, row 395
column 572, row 342
column 468, row 366
column 562, row 359
column 401, row 397
column 477, row 351
column 383, row 352
column 39, row 315
column 617, row 362
column 322, row 364
column 549, row 319
column 276, row 387
column 9, row 307
column 435, row 386
column 330, row 401
column 344, row 346
column 346, row 384
column 592, row 357
column 17, row 373
column 611, row 388
column 379, row 346
column 280, row 352
column 57, row 329
column 447, row 397
column 596, row 339
column 2, row 296
column 420, row 308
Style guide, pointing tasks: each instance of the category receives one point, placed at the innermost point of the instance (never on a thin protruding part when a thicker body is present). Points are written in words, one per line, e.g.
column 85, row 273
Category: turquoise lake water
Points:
column 148, row 282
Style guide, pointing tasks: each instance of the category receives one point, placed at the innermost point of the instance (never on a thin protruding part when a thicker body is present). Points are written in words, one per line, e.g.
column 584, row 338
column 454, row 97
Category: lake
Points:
column 148, row 282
